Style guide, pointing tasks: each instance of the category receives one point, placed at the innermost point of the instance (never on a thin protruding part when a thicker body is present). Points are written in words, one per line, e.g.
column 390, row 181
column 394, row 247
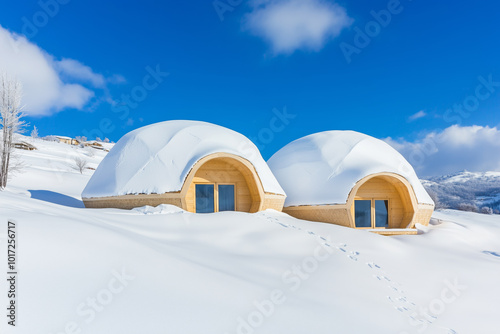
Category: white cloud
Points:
column 417, row 115
column 73, row 69
column 49, row 85
column 117, row 79
column 290, row 25
column 474, row 148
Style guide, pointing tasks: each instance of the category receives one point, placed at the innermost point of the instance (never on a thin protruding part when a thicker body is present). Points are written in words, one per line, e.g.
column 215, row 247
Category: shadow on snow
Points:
column 56, row 198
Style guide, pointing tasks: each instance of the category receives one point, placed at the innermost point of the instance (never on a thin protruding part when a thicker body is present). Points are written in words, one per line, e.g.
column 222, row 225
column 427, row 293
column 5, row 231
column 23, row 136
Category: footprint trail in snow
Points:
column 397, row 296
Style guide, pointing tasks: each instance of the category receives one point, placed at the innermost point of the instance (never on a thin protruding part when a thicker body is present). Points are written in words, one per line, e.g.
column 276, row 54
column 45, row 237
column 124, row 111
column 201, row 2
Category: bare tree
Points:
column 486, row 210
column 468, row 207
column 10, row 122
column 80, row 164
column 81, row 139
column 34, row 133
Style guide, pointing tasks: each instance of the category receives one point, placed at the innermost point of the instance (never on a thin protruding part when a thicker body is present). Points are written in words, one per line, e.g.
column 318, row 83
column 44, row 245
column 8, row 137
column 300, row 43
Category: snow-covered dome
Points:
column 322, row 168
column 157, row 158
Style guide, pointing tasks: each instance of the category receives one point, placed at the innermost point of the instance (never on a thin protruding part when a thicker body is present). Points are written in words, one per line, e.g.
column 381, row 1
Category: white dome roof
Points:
column 322, row 168
column 157, row 158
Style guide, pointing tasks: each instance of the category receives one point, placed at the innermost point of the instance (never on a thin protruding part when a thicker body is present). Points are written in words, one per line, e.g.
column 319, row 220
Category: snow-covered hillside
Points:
column 162, row 270
column 471, row 190
column 50, row 173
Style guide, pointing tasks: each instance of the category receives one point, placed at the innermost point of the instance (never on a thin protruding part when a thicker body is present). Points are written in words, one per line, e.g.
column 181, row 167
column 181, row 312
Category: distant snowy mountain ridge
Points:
column 469, row 191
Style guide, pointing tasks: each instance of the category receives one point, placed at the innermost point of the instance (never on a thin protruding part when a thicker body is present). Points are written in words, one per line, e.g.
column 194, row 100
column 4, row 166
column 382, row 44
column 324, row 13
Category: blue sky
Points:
column 266, row 56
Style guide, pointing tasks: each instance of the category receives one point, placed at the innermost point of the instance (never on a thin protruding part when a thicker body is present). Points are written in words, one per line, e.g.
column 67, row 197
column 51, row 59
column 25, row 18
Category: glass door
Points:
column 363, row 213
column 371, row 213
column 381, row 213
column 205, row 199
column 226, row 197
column 215, row 197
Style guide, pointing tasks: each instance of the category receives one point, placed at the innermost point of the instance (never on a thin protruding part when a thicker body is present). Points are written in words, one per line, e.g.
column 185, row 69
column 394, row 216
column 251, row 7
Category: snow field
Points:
column 235, row 272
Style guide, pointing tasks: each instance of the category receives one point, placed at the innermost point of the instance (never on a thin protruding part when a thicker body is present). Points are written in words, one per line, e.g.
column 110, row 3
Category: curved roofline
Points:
column 400, row 178
column 157, row 158
column 333, row 162
column 397, row 176
column 190, row 176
